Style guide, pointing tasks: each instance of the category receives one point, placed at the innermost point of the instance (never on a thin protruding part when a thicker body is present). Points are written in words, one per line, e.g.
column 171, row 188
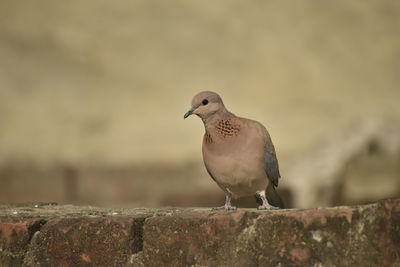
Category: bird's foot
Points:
column 225, row 207
column 267, row 207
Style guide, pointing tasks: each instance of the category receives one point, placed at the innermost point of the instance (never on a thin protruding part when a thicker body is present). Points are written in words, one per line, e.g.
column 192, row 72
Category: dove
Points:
column 237, row 152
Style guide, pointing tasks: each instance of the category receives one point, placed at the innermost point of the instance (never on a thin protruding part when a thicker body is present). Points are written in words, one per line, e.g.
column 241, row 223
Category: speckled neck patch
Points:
column 226, row 129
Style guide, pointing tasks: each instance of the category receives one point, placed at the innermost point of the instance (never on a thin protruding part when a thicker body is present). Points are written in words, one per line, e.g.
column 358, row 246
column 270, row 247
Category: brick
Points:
column 109, row 241
column 14, row 240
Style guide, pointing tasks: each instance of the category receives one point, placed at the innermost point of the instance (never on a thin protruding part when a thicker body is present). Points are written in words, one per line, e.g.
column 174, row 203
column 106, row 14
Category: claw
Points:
column 267, row 207
column 227, row 205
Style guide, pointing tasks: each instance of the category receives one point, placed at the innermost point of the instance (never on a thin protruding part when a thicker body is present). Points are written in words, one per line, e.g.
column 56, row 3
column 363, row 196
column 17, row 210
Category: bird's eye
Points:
column 204, row 102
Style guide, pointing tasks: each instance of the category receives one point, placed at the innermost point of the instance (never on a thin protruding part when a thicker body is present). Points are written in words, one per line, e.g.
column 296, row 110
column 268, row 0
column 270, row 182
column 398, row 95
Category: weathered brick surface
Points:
column 86, row 242
column 389, row 223
column 14, row 240
column 85, row 236
column 343, row 236
column 49, row 235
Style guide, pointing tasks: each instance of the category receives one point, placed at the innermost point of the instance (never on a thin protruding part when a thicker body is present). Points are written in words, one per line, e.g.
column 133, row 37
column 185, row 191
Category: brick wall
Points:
column 51, row 235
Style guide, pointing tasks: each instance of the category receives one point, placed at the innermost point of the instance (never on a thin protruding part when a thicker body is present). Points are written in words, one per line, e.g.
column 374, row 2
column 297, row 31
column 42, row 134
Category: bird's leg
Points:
column 228, row 205
column 265, row 205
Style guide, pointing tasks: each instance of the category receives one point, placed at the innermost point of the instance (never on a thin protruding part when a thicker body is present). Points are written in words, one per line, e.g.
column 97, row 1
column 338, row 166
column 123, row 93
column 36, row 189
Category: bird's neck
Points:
column 220, row 125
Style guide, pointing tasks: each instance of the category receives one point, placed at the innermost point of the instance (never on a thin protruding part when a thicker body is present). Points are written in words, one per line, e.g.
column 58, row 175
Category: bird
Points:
column 238, row 153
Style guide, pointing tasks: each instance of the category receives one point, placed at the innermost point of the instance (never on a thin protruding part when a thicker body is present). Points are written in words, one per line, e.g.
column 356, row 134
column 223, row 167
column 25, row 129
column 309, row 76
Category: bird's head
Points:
column 205, row 104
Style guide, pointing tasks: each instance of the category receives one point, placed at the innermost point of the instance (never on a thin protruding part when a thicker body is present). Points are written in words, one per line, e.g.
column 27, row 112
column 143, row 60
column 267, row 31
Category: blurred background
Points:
column 92, row 97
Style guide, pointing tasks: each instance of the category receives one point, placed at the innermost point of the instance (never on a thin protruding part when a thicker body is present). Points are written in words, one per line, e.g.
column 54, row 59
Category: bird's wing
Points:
column 271, row 165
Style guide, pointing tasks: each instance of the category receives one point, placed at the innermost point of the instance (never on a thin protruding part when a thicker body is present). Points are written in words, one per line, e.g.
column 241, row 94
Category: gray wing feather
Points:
column 271, row 165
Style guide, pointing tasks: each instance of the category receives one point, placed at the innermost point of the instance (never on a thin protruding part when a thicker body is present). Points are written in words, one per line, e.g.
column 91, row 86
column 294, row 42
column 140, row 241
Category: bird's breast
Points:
column 235, row 163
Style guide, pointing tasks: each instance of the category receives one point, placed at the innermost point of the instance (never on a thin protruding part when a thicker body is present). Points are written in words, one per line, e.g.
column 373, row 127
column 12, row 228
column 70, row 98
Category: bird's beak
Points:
column 187, row 114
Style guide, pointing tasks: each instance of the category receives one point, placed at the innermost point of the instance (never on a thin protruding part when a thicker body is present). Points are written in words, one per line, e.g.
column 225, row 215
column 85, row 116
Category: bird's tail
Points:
column 272, row 196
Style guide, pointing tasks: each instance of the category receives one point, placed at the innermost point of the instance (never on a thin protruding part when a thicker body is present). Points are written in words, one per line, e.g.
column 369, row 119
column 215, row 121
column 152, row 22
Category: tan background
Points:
column 107, row 83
